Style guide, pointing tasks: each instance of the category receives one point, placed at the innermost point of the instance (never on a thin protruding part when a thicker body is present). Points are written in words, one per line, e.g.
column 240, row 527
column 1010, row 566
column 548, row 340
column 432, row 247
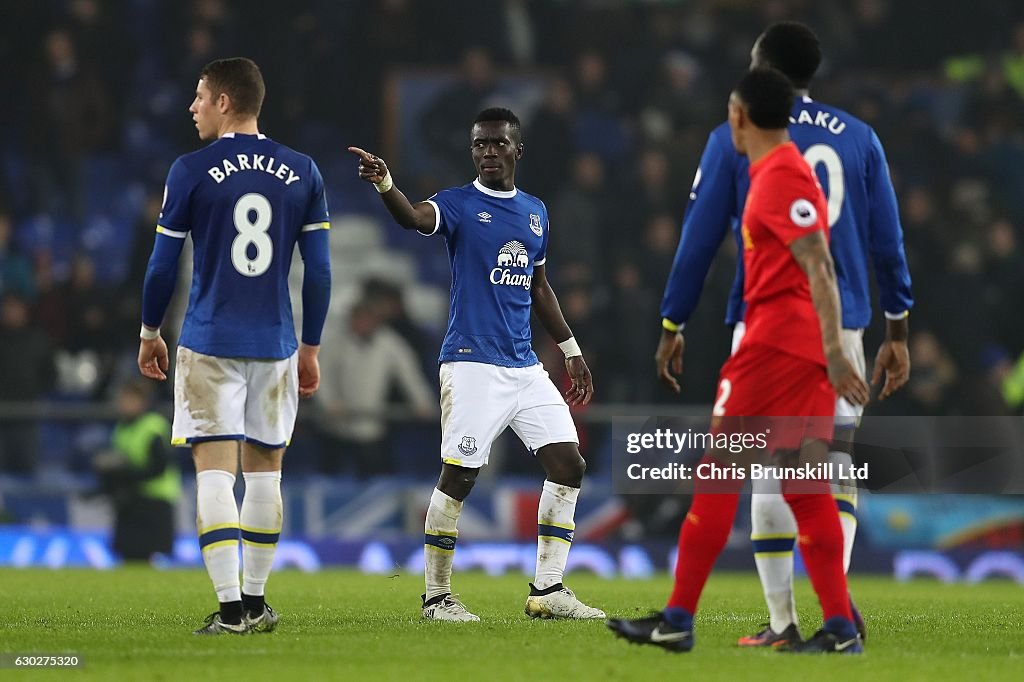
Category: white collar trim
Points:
column 494, row 192
column 259, row 136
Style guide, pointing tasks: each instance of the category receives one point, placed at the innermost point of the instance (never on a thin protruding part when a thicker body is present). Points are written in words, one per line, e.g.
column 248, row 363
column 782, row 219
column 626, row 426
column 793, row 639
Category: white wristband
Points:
column 147, row 334
column 384, row 185
column 570, row 347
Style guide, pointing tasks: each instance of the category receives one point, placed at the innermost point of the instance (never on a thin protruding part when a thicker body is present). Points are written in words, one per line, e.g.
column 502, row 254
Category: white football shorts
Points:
column 847, row 414
column 234, row 399
column 479, row 401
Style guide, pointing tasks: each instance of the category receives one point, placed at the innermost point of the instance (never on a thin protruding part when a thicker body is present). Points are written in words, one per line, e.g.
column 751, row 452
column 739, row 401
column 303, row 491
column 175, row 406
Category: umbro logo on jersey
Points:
column 485, row 217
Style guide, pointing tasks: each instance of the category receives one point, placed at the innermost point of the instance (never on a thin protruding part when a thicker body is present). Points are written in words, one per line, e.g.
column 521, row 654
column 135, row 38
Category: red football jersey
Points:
column 785, row 203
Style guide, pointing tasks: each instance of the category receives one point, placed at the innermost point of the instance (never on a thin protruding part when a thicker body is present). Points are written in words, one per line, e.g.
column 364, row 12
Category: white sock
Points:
column 846, row 499
column 773, row 534
column 555, row 515
column 439, row 536
column 261, row 528
column 217, row 522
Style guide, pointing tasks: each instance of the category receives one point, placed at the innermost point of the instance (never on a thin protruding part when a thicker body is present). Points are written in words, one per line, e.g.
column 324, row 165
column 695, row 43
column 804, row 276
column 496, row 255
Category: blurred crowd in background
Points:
column 97, row 94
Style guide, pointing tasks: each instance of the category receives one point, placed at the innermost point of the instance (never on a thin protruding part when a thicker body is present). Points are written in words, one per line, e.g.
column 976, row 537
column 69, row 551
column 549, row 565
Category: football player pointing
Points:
column 497, row 239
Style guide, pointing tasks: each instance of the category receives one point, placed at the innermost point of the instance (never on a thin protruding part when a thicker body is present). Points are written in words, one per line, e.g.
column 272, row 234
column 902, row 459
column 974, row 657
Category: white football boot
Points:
column 559, row 601
column 448, row 608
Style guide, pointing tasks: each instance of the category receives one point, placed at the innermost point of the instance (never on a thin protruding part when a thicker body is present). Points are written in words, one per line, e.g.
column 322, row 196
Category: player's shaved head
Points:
column 792, row 48
column 240, row 79
column 767, row 96
column 498, row 115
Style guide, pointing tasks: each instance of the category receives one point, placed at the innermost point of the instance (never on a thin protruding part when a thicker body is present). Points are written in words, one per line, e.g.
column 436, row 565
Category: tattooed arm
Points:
column 812, row 254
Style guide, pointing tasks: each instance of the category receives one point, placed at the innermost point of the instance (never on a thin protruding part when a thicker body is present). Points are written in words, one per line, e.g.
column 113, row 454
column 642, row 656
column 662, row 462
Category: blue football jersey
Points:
column 244, row 199
column 863, row 216
column 494, row 239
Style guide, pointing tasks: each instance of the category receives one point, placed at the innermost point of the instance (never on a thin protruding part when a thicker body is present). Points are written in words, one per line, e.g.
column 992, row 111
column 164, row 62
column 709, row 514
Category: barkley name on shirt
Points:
column 253, row 162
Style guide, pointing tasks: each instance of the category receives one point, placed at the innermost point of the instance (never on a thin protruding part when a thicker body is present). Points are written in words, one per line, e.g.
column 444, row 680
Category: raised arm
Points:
column 812, row 254
column 420, row 216
column 545, row 306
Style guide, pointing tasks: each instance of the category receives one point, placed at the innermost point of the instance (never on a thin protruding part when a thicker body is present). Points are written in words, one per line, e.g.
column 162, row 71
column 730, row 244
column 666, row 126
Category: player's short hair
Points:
column 241, row 79
column 501, row 114
column 792, row 48
column 768, row 96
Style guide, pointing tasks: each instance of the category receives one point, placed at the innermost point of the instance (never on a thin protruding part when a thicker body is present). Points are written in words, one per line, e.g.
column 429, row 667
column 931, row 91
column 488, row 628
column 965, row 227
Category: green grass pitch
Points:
column 135, row 623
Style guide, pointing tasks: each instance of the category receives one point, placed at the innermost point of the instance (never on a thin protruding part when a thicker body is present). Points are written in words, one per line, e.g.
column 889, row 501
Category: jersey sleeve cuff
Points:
column 160, row 229
column 316, row 226
column 542, row 261
column 897, row 316
column 669, row 325
column 437, row 219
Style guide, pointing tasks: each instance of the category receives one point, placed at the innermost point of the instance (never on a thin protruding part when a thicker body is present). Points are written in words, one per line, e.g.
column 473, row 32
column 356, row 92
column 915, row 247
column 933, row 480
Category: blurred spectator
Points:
column 446, row 124
column 71, row 118
column 1004, row 268
column 925, row 239
column 628, row 365
column 1013, row 386
column 597, row 128
column 966, row 322
column 981, row 393
column 140, row 475
column 387, row 301
column 578, row 215
column 50, row 312
column 651, row 193
column 932, row 385
column 15, row 269
column 95, row 27
column 358, row 365
column 91, row 317
column 26, row 373
column 548, row 139
column 675, row 101
column 657, row 250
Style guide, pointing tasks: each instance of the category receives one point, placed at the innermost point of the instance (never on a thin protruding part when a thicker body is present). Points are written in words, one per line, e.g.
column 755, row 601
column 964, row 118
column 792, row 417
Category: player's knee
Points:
column 457, row 482
column 566, row 469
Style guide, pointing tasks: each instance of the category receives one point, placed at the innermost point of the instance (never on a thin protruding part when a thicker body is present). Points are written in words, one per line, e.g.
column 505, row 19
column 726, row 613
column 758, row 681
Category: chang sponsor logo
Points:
column 511, row 256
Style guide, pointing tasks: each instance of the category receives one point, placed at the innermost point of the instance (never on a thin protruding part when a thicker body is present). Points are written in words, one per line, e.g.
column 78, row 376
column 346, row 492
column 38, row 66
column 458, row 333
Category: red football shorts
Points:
column 762, row 390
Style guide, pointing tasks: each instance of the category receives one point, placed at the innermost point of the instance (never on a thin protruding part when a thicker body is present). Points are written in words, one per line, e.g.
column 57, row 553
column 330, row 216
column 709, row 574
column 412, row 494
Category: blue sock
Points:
column 678, row 617
column 840, row 627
